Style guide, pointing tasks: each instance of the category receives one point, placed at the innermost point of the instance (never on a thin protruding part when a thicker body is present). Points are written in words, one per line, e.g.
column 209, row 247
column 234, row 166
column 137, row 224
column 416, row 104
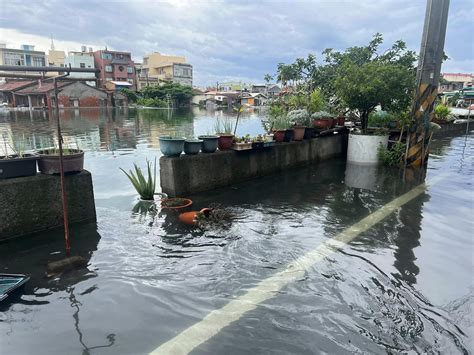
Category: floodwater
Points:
column 405, row 285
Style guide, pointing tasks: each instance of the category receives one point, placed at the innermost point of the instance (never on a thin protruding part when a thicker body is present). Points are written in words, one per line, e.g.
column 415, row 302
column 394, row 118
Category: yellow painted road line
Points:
column 215, row 321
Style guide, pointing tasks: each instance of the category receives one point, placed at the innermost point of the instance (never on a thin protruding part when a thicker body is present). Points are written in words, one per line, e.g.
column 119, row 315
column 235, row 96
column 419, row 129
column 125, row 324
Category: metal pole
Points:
column 61, row 170
column 429, row 67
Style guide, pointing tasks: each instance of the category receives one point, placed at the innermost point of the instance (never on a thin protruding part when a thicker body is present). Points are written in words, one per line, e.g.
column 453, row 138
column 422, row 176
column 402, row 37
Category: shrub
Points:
column 392, row 156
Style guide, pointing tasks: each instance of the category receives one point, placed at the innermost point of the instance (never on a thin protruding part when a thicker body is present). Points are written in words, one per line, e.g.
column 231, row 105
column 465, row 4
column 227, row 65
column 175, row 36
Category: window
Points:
column 109, row 79
column 108, row 68
column 82, row 65
column 107, row 55
column 38, row 61
column 130, row 70
column 11, row 58
column 130, row 81
column 121, row 68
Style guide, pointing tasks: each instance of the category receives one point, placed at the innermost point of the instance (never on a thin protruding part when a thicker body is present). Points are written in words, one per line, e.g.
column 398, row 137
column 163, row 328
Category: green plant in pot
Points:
column 145, row 186
column 365, row 79
column 280, row 126
column 322, row 120
column 242, row 143
column 300, row 120
column 223, row 129
column 442, row 115
column 14, row 161
column 48, row 162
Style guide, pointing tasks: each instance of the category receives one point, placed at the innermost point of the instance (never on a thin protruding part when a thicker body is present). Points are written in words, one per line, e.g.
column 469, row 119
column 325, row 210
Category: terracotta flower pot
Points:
column 225, row 141
column 298, row 133
column 279, row 135
column 48, row 163
column 322, row 124
column 190, row 217
column 175, row 203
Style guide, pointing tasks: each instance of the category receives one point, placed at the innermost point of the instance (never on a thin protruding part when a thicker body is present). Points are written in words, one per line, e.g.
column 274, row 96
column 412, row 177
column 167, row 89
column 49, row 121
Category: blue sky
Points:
column 231, row 40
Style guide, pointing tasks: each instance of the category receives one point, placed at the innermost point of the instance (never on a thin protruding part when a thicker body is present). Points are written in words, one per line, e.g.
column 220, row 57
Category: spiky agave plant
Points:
column 144, row 186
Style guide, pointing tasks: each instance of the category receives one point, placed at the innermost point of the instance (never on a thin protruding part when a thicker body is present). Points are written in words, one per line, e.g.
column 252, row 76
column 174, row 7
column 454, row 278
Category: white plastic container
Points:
column 363, row 149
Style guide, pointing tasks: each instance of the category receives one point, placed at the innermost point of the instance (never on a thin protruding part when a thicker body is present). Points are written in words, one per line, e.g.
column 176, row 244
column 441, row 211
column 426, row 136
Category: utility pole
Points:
column 427, row 79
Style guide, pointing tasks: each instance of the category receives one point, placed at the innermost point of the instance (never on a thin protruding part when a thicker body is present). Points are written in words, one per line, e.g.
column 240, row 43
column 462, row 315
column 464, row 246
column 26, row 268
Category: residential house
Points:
column 8, row 89
column 273, row 90
column 455, row 81
column 166, row 68
column 116, row 86
column 143, row 80
column 72, row 94
column 253, row 99
column 83, row 59
column 115, row 66
column 261, row 88
column 26, row 56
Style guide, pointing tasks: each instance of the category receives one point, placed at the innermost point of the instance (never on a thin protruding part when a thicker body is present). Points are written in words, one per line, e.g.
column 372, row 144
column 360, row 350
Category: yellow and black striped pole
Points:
column 427, row 78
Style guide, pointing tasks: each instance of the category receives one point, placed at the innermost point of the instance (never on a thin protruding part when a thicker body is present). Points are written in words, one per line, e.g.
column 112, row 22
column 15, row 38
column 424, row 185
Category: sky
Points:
column 236, row 40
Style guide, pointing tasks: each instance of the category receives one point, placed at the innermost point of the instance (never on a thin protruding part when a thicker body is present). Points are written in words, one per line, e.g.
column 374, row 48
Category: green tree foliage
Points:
column 132, row 96
column 364, row 79
column 178, row 94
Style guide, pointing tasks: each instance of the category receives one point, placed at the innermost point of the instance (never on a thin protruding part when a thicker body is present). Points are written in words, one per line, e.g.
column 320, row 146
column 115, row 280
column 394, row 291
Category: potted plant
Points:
column 362, row 83
column 209, row 143
column 224, row 131
column 144, row 186
column 48, row 162
column 258, row 142
column 441, row 114
column 171, row 146
column 280, row 126
column 175, row 203
column 192, row 146
column 299, row 119
column 242, row 143
column 322, row 120
column 17, row 164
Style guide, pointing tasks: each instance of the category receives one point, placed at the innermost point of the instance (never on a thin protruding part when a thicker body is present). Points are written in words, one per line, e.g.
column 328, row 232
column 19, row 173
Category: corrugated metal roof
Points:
column 42, row 88
column 15, row 85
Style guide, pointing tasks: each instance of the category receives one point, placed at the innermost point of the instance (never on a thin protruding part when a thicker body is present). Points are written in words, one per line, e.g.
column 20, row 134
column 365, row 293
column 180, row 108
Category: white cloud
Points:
column 231, row 39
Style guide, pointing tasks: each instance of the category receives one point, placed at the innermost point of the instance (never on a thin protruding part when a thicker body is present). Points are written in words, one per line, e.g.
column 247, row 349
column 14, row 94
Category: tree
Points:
column 268, row 78
column 363, row 79
column 178, row 94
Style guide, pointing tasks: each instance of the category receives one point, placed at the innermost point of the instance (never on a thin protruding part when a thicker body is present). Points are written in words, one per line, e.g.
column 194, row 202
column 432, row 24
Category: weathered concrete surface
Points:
column 32, row 204
column 189, row 174
column 454, row 127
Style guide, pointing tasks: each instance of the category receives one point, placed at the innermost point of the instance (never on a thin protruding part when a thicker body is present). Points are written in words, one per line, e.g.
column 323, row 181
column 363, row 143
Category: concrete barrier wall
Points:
column 189, row 174
column 455, row 127
column 32, row 204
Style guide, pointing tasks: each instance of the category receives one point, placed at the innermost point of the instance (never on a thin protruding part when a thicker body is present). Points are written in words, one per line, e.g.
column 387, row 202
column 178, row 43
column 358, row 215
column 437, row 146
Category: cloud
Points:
column 231, row 39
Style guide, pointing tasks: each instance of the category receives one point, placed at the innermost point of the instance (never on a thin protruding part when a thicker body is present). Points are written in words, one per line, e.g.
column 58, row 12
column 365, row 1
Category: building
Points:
column 82, row 59
column 157, row 66
column 26, row 56
column 115, row 66
column 72, row 94
column 144, row 80
column 253, row 99
column 455, row 81
column 117, row 86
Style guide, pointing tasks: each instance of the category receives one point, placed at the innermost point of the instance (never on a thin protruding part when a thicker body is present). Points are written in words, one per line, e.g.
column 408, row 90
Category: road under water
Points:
column 403, row 285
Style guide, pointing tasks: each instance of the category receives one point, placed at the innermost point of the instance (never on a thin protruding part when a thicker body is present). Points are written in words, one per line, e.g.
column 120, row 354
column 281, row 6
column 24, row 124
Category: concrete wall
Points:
column 454, row 127
column 189, row 174
column 32, row 204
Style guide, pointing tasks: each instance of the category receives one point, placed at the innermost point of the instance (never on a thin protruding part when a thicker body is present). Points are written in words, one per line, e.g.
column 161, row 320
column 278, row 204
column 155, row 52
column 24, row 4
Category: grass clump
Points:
column 144, row 186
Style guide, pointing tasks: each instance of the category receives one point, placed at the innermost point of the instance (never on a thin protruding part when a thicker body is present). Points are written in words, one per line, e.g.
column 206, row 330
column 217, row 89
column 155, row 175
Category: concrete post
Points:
column 429, row 66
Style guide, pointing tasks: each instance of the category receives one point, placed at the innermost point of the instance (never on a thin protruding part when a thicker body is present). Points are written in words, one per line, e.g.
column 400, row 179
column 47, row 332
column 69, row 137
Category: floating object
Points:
column 67, row 264
column 190, row 217
column 175, row 203
column 10, row 283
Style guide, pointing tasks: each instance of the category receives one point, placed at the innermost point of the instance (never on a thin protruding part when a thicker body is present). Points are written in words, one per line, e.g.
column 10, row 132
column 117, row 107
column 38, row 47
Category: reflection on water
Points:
column 405, row 285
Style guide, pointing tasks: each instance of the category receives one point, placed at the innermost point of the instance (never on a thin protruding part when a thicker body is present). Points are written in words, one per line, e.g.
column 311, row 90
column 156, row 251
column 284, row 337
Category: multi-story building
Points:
column 157, row 66
column 26, row 56
column 115, row 66
column 455, row 81
column 82, row 59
